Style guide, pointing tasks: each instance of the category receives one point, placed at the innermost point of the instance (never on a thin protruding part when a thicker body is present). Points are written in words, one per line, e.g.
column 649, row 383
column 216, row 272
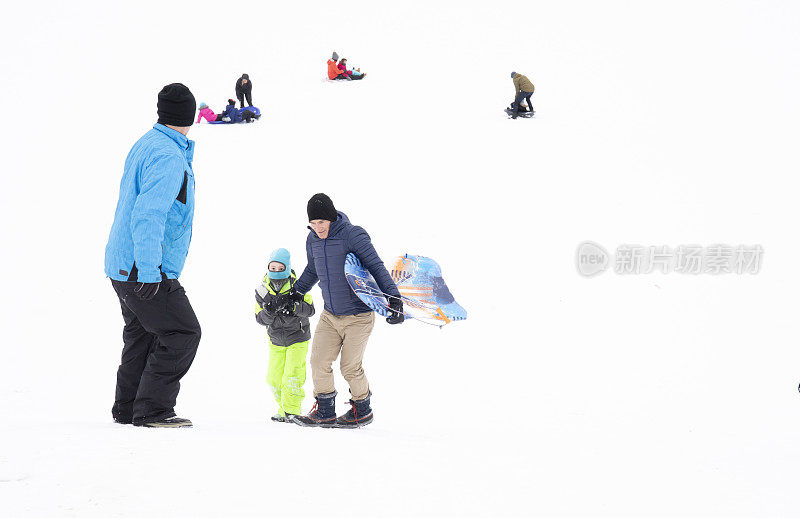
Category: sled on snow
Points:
column 241, row 111
column 524, row 111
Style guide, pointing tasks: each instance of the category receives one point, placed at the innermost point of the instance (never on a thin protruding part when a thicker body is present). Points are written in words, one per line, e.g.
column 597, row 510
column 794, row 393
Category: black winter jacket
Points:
column 244, row 88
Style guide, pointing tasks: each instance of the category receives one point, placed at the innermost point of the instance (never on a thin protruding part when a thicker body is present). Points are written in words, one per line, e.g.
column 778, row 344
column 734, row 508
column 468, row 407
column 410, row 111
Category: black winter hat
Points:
column 321, row 207
column 245, row 76
column 176, row 105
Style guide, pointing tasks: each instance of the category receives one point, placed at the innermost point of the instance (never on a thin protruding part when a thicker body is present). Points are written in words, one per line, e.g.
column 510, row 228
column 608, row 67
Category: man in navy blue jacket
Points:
column 145, row 254
column 346, row 322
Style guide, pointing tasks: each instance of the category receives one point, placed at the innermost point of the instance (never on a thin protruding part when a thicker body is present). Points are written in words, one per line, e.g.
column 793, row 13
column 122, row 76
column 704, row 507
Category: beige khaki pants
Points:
column 346, row 334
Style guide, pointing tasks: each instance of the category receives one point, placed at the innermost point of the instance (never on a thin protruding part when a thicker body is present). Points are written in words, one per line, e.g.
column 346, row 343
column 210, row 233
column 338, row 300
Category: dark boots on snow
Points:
column 360, row 414
column 323, row 413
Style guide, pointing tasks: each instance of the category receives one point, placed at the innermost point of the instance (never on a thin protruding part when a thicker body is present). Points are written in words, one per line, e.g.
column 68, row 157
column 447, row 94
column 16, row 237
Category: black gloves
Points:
column 395, row 311
column 281, row 304
column 295, row 296
column 269, row 307
column 287, row 310
column 286, row 303
column 146, row 290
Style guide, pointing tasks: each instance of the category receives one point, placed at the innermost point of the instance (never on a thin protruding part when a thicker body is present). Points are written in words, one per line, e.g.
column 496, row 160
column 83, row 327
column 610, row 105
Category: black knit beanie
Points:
column 321, row 207
column 176, row 105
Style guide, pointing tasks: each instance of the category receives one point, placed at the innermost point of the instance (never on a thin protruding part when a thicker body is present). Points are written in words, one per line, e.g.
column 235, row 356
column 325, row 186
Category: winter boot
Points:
column 323, row 413
column 360, row 414
column 169, row 422
column 283, row 417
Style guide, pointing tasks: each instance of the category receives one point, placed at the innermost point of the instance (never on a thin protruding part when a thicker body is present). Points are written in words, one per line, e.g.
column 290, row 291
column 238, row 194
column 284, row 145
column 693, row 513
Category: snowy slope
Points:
column 620, row 396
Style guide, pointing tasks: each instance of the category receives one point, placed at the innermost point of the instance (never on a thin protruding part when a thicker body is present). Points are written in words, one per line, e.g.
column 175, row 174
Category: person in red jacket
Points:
column 333, row 68
column 350, row 74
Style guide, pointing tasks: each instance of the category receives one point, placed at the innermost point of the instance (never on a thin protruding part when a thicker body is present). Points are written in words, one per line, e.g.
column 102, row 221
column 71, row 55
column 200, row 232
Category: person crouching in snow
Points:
column 523, row 89
column 289, row 331
column 207, row 114
column 349, row 74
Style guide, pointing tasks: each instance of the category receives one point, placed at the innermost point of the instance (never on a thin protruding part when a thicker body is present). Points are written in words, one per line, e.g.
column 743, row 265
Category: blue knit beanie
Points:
column 280, row 255
column 512, row 75
column 202, row 105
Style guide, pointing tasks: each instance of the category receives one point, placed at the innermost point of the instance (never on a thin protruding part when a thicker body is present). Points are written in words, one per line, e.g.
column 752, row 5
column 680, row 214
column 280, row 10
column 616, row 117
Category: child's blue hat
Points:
column 512, row 75
column 202, row 105
column 280, row 255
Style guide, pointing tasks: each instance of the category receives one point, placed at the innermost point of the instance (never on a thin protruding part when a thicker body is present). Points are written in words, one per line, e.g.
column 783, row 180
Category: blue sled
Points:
column 253, row 109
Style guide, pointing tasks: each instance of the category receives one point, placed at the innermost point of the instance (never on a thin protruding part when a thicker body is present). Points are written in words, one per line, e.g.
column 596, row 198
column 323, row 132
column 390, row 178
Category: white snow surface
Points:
column 617, row 396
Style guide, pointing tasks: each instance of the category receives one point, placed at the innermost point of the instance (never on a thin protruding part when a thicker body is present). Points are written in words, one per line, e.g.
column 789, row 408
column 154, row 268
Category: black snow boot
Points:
column 322, row 414
column 360, row 414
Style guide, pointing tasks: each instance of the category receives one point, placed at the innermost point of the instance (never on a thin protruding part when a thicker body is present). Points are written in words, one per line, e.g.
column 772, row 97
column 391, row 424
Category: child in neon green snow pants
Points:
column 289, row 332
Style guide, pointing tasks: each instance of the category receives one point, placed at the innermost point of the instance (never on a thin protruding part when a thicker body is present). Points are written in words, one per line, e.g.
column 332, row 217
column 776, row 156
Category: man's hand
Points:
column 294, row 296
column 395, row 311
column 146, row 290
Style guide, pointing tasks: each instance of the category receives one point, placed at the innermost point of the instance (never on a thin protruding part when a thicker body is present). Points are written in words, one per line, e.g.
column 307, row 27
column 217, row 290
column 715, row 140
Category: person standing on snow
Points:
column 244, row 88
column 145, row 254
column 523, row 89
column 346, row 322
column 289, row 331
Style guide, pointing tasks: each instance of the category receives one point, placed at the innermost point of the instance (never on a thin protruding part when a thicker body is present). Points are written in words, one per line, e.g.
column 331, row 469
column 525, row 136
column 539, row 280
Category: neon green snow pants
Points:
column 287, row 374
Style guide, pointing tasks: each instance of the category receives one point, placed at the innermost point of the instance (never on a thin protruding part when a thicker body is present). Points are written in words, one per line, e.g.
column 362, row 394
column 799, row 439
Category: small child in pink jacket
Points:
column 207, row 114
column 350, row 74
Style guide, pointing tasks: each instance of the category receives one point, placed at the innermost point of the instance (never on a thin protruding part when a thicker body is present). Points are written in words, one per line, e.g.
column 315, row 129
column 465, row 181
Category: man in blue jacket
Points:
column 145, row 254
column 346, row 322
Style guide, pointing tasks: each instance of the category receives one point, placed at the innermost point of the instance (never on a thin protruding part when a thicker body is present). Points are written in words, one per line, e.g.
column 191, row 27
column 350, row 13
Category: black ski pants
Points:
column 160, row 340
column 241, row 96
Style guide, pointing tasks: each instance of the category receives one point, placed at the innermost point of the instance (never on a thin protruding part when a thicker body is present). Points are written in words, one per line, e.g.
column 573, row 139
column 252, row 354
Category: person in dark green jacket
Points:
column 523, row 89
